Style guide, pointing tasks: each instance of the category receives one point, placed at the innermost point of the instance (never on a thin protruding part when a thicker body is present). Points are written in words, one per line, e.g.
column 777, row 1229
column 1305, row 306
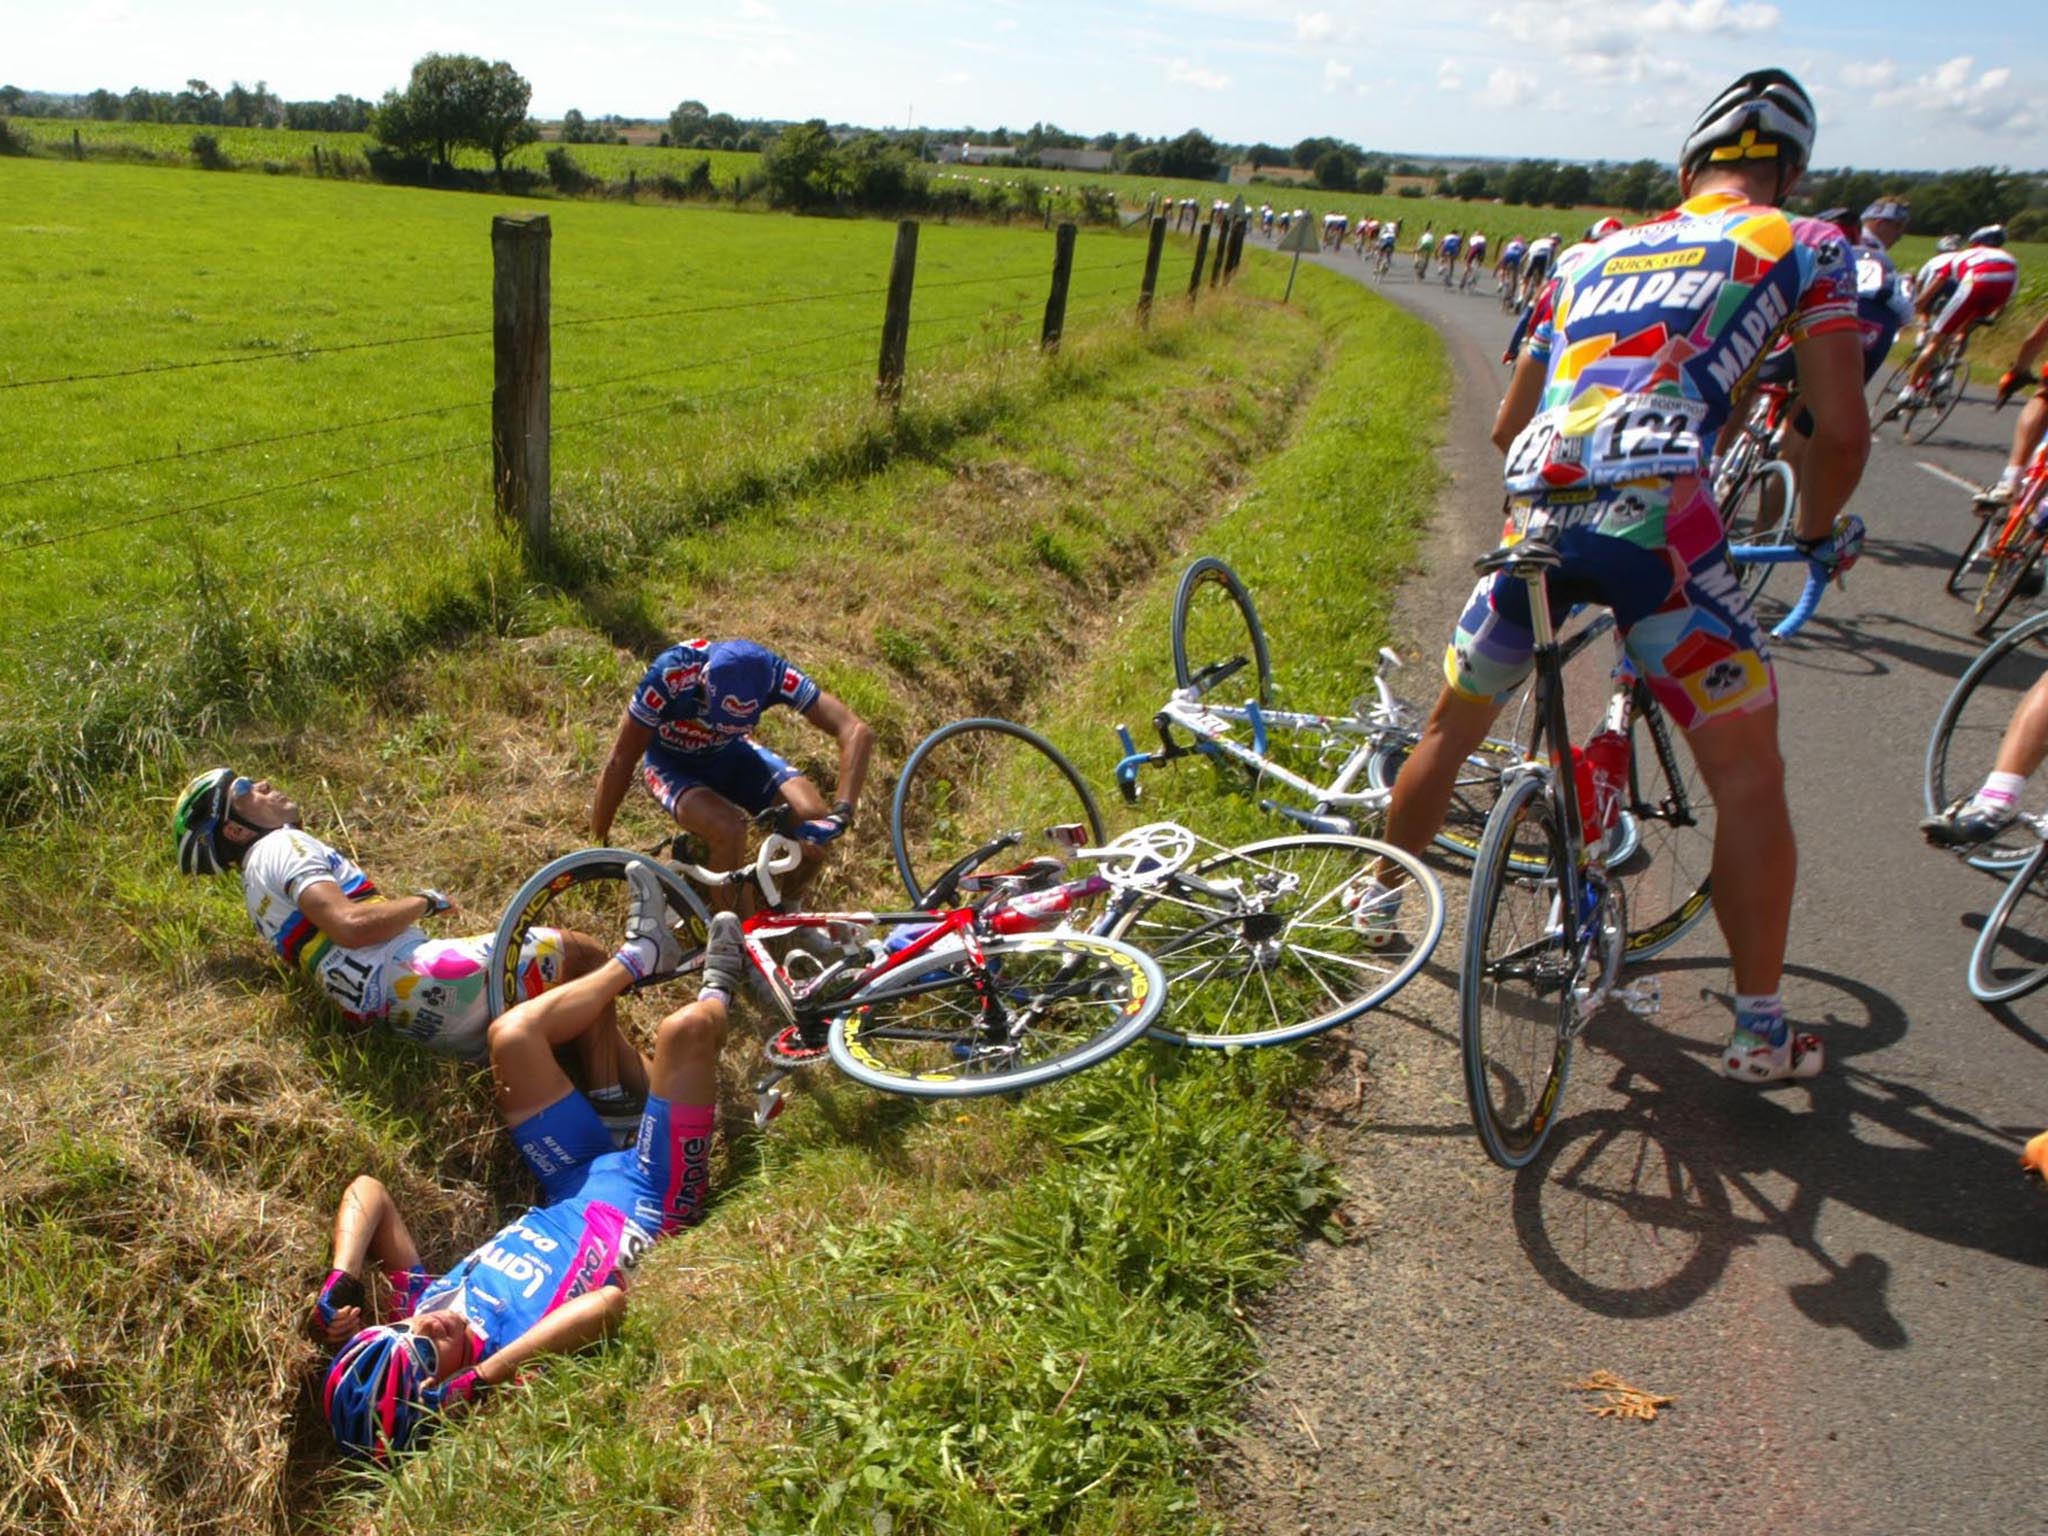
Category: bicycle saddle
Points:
column 1530, row 554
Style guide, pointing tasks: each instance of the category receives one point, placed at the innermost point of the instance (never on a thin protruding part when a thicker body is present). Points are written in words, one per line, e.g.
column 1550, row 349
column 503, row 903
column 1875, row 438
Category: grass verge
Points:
column 1007, row 1317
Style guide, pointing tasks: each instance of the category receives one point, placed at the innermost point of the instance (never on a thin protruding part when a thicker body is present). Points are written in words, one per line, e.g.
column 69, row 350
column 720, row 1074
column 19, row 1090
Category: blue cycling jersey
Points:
column 701, row 695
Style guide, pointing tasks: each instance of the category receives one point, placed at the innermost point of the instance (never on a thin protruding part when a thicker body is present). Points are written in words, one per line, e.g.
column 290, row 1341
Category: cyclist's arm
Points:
column 2030, row 349
column 1831, row 380
column 359, row 924
column 1518, row 405
column 367, row 1225
column 627, row 750
column 563, row 1331
column 856, row 741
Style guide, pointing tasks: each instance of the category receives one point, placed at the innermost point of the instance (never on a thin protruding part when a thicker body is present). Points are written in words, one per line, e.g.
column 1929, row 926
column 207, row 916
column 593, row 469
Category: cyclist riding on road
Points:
column 1424, row 244
column 1634, row 362
column 1509, row 273
column 1536, row 265
column 366, row 951
column 1972, row 288
column 2027, row 432
column 554, row 1278
column 1475, row 257
column 1447, row 254
column 688, row 728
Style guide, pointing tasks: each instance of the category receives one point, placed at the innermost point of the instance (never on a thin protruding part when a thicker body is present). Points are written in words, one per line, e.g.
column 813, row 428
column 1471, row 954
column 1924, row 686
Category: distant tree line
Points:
column 199, row 104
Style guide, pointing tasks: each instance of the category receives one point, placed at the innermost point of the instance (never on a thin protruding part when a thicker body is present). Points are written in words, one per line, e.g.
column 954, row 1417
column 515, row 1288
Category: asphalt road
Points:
column 1840, row 1282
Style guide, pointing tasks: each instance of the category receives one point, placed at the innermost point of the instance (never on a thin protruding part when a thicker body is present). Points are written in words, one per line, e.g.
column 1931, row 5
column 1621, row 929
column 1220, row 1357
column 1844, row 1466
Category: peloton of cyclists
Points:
column 1632, row 366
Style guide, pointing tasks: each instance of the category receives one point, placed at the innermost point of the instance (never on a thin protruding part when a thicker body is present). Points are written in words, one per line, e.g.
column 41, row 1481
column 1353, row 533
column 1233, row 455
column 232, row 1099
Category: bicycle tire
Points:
column 1964, row 743
column 924, row 1035
column 2005, row 577
column 1666, row 876
column 1285, row 959
column 2024, row 953
column 1888, row 390
column 1748, row 521
column 1472, row 797
column 1216, row 635
column 936, row 815
column 1516, row 963
column 587, row 891
column 1937, row 411
column 1972, row 556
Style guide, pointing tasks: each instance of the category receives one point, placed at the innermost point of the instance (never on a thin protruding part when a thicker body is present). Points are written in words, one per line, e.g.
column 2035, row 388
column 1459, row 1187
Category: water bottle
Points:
column 1602, row 773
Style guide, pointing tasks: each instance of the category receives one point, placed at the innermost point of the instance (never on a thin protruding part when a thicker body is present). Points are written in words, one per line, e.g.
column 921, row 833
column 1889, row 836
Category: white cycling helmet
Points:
column 1765, row 115
column 1600, row 229
column 1948, row 243
column 1990, row 234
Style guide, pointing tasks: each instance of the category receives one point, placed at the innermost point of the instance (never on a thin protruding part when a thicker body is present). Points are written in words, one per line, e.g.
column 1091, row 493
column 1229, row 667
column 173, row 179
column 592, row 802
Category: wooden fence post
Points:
column 318, row 169
column 1154, row 245
column 1201, row 254
column 1056, row 301
column 896, row 317
column 77, row 147
column 520, row 245
column 1237, row 230
column 1222, row 249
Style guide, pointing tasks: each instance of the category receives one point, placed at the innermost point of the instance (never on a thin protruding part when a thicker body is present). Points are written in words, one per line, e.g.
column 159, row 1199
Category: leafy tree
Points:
column 500, row 113
column 1571, row 186
column 1193, row 155
column 10, row 99
column 1528, row 182
column 197, row 103
column 795, row 163
column 1335, row 171
column 575, row 129
column 1372, row 181
column 1468, row 184
column 687, row 121
column 455, row 99
column 1103, row 141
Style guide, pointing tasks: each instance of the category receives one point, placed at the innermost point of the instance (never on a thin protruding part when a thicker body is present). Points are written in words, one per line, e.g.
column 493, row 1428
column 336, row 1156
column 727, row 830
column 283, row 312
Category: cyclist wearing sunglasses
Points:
column 366, row 950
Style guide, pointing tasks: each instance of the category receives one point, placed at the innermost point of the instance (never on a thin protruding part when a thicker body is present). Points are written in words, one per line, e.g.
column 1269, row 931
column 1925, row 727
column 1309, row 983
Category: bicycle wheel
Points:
column 1665, row 875
column 2011, row 955
column 1472, row 797
column 1974, row 560
column 2006, row 577
column 1964, row 744
column 972, row 780
column 1039, row 1007
column 1215, row 623
column 1761, row 514
column 1951, row 383
column 586, row 891
column 1515, row 988
column 1259, row 946
column 1888, row 390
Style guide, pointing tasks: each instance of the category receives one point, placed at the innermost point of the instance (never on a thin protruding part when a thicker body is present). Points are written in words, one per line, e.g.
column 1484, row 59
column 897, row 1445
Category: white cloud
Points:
column 1509, row 87
column 1315, row 28
column 1948, row 92
column 1004, row 24
column 1709, row 17
column 755, row 10
column 1616, row 41
column 1334, row 74
column 1448, row 77
column 1187, row 72
column 1870, row 77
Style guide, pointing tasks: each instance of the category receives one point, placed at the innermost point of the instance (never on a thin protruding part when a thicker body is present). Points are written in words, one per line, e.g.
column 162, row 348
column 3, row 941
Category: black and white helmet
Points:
column 1990, row 234
column 1766, row 115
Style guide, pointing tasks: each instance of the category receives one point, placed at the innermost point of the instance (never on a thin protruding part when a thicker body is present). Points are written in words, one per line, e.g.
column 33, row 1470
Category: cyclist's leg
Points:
column 2026, row 437
column 525, row 1073
column 806, row 802
column 711, row 796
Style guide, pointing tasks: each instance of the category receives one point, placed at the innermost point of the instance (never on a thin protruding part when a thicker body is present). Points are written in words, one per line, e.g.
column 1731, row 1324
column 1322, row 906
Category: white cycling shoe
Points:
column 1751, row 1058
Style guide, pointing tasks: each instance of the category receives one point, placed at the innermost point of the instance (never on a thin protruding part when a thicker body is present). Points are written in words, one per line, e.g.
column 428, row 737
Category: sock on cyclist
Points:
column 1761, row 1014
column 1999, row 794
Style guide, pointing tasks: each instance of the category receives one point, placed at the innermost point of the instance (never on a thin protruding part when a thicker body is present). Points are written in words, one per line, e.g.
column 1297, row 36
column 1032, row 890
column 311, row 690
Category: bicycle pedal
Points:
column 768, row 1103
column 1644, row 999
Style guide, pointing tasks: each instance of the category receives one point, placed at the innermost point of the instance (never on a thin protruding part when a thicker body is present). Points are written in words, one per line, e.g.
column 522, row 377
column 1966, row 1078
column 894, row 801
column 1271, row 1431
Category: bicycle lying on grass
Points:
column 956, row 1010
column 1544, row 952
column 1261, row 944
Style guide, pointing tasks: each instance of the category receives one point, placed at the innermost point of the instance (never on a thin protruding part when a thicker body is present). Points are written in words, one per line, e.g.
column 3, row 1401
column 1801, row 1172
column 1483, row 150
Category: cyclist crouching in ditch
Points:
column 1632, row 363
column 688, row 727
column 367, row 952
column 553, row 1279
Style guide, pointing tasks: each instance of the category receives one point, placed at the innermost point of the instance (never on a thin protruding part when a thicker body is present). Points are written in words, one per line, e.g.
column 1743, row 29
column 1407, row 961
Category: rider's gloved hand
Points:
column 454, row 1396
column 341, row 1293
column 826, row 828
column 1839, row 548
column 2008, row 382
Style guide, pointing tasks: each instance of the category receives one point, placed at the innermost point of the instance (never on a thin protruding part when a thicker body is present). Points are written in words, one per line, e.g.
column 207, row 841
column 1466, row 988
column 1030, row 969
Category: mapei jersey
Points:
column 276, row 871
column 1651, row 336
column 674, row 700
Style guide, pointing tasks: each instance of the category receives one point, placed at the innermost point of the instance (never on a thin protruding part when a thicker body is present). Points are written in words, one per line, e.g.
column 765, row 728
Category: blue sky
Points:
column 1898, row 84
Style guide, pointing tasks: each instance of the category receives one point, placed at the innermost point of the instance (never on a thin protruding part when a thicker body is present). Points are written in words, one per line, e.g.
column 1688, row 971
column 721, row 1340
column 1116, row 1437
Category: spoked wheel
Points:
column 2011, row 957
column 586, row 892
column 1269, row 942
column 1041, row 1007
column 1761, row 514
column 1964, row 745
column 1975, row 559
column 2007, row 577
column 1472, row 797
column 1944, row 394
column 973, row 780
column 1665, row 874
column 1889, row 390
column 1515, row 993
column 1214, row 624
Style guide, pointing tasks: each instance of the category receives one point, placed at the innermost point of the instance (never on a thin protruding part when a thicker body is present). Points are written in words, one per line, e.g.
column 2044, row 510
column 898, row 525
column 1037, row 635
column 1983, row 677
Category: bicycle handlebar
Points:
column 1818, row 574
column 778, row 856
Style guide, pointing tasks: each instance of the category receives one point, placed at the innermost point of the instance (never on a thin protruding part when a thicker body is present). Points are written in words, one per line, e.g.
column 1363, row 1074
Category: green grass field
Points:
column 308, row 465
column 1016, row 1317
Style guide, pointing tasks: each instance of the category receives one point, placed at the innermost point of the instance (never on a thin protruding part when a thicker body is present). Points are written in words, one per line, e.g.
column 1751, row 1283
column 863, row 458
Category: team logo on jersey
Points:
column 676, row 679
column 653, row 699
column 792, row 682
column 1724, row 679
column 733, row 704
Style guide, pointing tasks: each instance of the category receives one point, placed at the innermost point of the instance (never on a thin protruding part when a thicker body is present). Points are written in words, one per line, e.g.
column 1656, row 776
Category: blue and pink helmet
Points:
column 374, row 1390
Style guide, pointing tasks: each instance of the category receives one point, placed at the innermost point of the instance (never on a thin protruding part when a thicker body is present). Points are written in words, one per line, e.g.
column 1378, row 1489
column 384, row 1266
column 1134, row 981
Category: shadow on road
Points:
column 1635, row 1209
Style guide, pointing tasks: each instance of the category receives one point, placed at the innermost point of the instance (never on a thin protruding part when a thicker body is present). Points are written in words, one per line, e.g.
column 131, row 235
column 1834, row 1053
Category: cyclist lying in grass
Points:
column 553, row 1279
column 318, row 909
column 689, row 729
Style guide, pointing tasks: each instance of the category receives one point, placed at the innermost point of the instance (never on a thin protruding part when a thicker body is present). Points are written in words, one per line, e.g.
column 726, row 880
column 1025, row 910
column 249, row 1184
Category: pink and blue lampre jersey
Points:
column 536, row 1263
column 702, row 695
column 1650, row 338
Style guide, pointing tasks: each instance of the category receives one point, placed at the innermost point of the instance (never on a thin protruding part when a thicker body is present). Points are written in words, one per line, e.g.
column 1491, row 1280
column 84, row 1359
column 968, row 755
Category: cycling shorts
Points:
column 1512, row 260
column 743, row 771
column 1978, row 298
column 660, row 1181
column 1684, row 617
column 439, row 989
